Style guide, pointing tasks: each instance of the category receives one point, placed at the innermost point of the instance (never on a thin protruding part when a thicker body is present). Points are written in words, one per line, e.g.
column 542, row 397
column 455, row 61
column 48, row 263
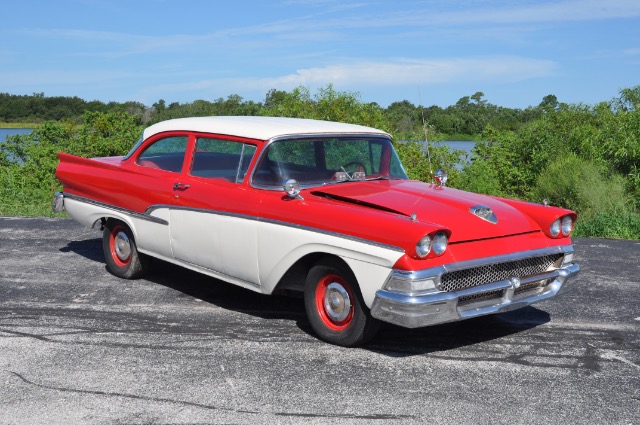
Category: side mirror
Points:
column 292, row 188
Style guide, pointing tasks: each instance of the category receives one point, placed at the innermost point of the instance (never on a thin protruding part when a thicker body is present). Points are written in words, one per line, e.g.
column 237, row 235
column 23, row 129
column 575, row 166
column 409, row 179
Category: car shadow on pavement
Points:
column 396, row 341
column 88, row 248
column 391, row 340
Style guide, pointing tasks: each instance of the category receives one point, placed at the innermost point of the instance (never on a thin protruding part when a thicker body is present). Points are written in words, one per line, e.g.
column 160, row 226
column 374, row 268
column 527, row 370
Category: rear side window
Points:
column 165, row 154
column 221, row 159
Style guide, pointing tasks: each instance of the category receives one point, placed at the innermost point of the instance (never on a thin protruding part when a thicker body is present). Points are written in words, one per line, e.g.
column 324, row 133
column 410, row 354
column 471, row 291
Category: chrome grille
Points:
column 469, row 278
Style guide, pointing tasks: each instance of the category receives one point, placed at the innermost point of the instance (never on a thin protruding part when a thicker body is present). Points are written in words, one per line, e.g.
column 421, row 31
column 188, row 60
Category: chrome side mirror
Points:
column 292, row 188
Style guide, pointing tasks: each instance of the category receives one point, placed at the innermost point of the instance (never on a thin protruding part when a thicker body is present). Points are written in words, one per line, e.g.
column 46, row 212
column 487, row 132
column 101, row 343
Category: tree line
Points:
column 583, row 157
column 464, row 120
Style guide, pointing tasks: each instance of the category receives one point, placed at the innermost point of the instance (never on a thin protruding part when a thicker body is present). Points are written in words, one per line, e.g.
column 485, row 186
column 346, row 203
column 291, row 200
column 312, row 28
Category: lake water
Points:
column 463, row 145
column 6, row 132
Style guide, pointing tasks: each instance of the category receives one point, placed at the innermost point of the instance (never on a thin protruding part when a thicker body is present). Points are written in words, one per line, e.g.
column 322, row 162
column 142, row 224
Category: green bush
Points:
column 578, row 184
column 618, row 224
column 415, row 158
column 28, row 162
column 480, row 177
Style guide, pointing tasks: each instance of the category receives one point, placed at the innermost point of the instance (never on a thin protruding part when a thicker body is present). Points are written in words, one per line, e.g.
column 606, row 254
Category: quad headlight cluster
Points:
column 436, row 243
column 562, row 225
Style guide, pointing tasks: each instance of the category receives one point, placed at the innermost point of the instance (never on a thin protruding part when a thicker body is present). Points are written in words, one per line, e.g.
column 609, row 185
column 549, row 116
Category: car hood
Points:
column 437, row 205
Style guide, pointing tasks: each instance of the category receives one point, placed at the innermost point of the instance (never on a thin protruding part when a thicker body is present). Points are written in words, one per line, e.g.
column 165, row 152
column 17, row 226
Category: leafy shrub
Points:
column 415, row 158
column 619, row 225
column 28, row 162
column 575, row 183
column 480, row 177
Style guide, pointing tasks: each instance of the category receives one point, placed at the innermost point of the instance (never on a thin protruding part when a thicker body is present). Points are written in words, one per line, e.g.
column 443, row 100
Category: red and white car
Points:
column 325, row 208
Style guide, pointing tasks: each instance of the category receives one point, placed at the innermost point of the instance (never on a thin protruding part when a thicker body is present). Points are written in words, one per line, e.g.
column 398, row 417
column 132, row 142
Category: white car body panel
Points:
column 294, row 243
column 261, row 128
column 217, row 242
column 213, row 244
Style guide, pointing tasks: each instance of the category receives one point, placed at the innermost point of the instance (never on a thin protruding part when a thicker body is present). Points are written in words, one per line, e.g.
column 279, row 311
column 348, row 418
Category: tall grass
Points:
column 19, row 198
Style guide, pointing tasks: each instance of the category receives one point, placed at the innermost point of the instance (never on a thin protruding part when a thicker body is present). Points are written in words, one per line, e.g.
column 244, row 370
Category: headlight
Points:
column 440, row 241
column 567, row 225
column 423, row 246
column 554, row 230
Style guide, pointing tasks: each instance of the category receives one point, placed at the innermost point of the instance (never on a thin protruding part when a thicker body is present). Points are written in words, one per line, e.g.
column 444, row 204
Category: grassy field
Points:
column 19, row 125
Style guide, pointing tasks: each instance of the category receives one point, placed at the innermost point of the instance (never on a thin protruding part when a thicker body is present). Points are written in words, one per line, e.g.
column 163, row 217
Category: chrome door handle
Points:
column 181, row 186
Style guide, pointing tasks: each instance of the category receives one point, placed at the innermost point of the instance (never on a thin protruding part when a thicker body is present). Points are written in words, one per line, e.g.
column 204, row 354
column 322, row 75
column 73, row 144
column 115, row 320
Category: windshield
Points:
column 327, row 160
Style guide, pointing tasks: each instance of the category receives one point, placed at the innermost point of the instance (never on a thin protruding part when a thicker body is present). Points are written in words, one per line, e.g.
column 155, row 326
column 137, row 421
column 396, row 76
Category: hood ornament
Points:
column 440, row 177
column 485, row 213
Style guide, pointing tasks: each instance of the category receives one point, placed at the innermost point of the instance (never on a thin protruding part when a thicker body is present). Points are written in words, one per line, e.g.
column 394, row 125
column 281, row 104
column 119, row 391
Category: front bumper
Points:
column 424, row 309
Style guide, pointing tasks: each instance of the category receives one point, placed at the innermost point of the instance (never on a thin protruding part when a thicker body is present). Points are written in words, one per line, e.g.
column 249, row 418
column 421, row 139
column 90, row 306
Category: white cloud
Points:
column 402, row 72
column 539, row 12
column 632, row 52
column 420, row 71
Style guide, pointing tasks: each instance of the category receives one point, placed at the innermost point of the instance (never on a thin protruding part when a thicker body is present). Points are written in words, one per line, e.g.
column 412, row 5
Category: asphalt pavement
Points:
column 80, row 346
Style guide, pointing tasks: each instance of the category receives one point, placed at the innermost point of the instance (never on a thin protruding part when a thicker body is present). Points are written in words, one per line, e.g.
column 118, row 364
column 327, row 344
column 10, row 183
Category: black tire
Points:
column 120, row 251
column 335, row 307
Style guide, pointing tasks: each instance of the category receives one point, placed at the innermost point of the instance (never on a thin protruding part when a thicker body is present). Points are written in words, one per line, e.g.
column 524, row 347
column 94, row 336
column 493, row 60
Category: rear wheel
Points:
column 120, row 251
column 335, row 307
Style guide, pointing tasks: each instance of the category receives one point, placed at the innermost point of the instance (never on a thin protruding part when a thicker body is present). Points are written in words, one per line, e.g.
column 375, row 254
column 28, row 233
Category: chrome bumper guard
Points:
column 57, row 204
column 431, row 308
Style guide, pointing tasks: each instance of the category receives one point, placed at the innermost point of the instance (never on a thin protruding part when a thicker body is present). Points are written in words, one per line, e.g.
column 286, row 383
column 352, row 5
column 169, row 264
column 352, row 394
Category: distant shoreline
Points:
column 19, row 125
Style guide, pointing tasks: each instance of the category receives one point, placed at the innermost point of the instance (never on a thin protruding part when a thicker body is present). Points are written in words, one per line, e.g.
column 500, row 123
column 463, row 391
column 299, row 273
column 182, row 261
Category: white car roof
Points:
column 262, row 128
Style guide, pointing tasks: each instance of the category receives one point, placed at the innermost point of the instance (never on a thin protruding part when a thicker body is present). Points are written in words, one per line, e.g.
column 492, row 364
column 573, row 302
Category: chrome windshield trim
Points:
column 462, row 265
column 268, row 143
column 134, row 148
column 135, row 214
column 276, row 222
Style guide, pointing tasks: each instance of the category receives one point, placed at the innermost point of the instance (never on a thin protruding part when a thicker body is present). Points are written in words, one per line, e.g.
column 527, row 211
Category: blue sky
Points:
column 427, row 52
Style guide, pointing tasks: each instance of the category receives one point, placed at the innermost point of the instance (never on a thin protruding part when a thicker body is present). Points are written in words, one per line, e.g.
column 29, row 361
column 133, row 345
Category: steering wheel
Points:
column 360, row 165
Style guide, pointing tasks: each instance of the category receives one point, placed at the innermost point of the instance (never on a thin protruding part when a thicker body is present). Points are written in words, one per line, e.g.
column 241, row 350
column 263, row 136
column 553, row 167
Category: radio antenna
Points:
column 426, row 137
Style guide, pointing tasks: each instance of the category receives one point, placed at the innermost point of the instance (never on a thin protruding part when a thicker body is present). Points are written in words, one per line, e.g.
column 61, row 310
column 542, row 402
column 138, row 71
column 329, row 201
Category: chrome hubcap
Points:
column 337, row 303
column 122, row 246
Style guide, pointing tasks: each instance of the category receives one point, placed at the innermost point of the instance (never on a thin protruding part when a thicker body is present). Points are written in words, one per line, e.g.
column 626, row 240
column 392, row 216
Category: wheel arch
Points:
column 293, row 279
column 367, row 276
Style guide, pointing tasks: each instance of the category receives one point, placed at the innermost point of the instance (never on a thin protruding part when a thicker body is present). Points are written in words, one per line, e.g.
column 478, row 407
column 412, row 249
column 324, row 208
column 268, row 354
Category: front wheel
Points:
column 120, row 251
column 335, row 307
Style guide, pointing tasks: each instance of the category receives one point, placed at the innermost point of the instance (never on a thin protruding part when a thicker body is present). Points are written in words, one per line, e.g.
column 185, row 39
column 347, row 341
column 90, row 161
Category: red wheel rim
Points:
column 334, row 302
column 120, row 246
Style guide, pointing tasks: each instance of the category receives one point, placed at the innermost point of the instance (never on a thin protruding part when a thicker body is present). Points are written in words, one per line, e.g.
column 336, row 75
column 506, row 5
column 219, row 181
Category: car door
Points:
column 214, row 222
column 157, row 167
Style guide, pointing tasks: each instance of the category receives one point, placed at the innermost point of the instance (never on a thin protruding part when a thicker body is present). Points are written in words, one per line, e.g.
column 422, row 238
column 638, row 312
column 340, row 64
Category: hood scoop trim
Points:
column 356, row 202
column 484, row 212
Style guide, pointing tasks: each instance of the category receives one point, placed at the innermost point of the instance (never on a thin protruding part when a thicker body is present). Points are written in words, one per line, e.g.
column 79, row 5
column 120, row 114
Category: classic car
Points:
column 321, row 208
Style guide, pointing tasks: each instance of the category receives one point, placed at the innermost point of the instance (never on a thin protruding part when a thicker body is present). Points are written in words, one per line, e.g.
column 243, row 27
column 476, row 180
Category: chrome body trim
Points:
column 485, row 213
column 135, row 214
column 57, row 204
column 277, row 222
column 437, row 272
column 135, row 147
column 430, row 308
